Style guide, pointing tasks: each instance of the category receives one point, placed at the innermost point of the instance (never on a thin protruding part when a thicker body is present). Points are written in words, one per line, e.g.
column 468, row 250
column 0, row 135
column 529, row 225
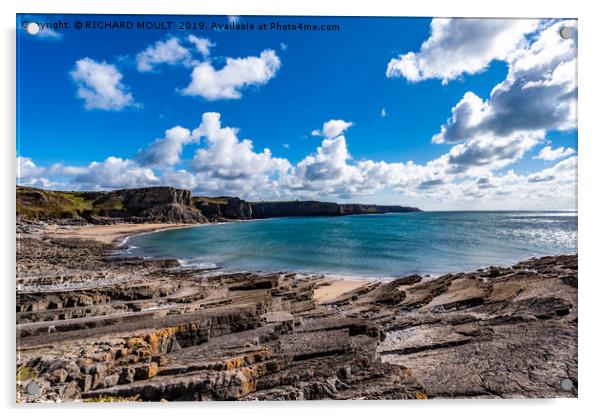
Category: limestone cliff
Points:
column 169, row 205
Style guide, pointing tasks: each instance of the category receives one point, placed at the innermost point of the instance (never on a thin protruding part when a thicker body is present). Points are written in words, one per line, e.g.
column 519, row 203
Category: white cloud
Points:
column 461, row 46
column 563, row 171
column 99, row 85
column 465, row 177
column 383, row 112
column 27, row 169
column 332, row 128
column 330, row 170
column 549, row 154
column 328, row 163
column 538, row 94
column 114, row 173
column 227, row 159
column 237, row 74
column 489, row 152
column 167, row 150
column 202, row 45
column 68, row 170
column 169, row 52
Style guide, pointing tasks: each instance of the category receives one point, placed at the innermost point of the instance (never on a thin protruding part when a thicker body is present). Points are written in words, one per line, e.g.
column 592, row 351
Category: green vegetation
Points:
column 38, row 204
column 209, row 200
column 25, row 373
column 111, row 399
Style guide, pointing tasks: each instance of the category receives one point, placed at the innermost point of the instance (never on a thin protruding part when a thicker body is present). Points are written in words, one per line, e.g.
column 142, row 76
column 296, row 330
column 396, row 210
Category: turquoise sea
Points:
column 383, row 245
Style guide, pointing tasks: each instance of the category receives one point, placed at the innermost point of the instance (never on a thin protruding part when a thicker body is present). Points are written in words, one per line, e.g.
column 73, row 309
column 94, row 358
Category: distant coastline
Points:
column 170, row 205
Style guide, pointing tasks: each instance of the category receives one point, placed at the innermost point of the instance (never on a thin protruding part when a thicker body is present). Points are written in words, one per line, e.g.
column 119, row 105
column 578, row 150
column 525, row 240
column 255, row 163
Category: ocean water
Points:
column 384, row 245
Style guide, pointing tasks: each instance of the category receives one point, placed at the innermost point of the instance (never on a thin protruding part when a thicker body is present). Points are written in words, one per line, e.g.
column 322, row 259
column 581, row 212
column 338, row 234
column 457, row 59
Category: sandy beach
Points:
column 335, row 289
column 110, row 233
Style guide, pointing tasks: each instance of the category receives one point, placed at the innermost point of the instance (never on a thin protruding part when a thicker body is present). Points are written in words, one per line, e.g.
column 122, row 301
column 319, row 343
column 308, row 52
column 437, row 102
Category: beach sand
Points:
column 335, row 289
column 109, row 233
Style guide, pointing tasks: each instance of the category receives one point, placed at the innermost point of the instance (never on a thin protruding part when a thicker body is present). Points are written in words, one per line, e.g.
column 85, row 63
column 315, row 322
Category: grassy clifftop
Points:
column 38, row 204
column 140, row 205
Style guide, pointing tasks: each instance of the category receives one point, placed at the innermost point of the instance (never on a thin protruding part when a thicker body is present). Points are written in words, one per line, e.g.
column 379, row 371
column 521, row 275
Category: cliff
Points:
column 169, row 205
column 223, row 208
column 153, row 204
column 235, row 208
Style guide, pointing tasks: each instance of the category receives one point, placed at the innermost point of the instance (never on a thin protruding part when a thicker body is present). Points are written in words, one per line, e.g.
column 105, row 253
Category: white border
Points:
column 590, row 175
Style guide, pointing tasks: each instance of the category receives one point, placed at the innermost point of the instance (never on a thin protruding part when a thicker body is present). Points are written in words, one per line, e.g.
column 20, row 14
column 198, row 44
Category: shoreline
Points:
column 335, row 286
column 107, row 233
column 118, row 234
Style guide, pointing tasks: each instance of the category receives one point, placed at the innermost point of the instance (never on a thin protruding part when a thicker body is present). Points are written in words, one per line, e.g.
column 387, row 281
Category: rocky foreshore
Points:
column 93, row 326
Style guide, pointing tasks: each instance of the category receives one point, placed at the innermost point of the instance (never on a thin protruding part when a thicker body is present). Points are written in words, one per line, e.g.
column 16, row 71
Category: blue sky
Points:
column 385, row 92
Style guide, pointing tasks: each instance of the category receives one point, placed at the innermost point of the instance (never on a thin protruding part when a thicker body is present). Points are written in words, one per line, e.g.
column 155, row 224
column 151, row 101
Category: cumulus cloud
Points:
column 228, row 157
column 27, row 169
column 225, row 164
column 202, row 45
column 169, row 52
column 229, row 81
column 328, row 163
column 331, row 170
column 538, row 94
column 114, row 173
column 549, row 154
column 167, row 150
column 332, row 128
column 489, row 152
column 564, row 170
column 461, row 46
column 99, row 85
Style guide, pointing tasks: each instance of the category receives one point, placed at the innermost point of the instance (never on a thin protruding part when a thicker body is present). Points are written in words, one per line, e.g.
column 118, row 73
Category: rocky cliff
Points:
column 169, row 205
column 235, row 208
column 224, row 208
column 264, row 210
column 139, row 205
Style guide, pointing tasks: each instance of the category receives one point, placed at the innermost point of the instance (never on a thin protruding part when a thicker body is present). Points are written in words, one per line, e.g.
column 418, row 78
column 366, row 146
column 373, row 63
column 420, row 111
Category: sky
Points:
column 442, row 114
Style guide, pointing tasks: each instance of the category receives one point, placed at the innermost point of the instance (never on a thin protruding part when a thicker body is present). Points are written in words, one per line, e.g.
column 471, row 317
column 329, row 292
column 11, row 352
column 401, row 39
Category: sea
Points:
column 367, row 246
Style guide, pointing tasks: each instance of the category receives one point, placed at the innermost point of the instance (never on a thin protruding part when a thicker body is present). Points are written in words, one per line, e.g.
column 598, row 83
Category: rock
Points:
column 110, row 381
column 262, row 210
column 127, row 375
column 152, row 204
column 85, row 383
column 134, row 328
column 146, row 371
column 58, row 375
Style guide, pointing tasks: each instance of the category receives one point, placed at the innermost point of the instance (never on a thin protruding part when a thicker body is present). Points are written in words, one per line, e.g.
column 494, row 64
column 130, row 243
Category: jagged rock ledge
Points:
column 96, row 328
